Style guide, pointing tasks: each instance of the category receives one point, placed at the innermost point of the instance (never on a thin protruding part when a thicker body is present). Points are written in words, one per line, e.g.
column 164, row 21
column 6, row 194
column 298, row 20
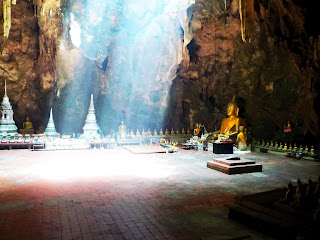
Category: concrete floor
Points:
column 115, row 194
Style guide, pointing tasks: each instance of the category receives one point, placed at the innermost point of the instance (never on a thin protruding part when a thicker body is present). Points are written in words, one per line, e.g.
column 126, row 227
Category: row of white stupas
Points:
column 8, row 126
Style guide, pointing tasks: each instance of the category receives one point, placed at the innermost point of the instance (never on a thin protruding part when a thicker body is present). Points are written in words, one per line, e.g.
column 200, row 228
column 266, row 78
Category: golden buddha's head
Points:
column 233, row 109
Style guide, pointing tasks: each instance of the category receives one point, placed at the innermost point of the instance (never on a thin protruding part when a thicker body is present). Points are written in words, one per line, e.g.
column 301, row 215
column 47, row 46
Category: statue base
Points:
column 26, row 131
column 234, row 166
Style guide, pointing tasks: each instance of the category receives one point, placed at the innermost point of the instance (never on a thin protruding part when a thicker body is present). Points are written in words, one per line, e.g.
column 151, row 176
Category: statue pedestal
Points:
column 223, row 148
column 26, row 131
column 234, row 166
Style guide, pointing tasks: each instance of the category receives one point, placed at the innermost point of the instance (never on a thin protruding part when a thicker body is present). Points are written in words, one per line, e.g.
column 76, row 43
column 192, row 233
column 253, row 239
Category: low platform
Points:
column 144, row 149
column 133, row 141
column 16, row 145
column 234, row 166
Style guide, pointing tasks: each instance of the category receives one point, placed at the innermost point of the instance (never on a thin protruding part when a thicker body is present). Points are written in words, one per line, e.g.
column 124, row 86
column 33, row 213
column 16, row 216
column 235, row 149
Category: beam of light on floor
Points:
column 93, row 164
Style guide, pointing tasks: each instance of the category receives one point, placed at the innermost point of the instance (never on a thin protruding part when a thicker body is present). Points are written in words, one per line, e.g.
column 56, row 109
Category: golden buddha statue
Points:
column 27, row 125
column 230, row 125
column 196, row 129
column 166, row 132
column 241, row 140
column 161, row 132
column 172, row 132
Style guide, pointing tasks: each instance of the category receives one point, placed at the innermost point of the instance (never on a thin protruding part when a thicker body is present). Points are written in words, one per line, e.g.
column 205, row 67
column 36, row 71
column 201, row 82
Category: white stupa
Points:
column 7, row 124
column 90, row 129
column 50, row 129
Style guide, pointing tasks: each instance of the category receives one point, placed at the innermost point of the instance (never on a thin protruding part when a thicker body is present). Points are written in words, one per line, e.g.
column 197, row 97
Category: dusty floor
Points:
column 114, row 194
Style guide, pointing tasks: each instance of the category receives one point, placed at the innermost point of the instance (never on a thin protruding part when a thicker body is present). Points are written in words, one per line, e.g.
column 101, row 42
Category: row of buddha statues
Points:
column 285, row 148
column 230, row 126
column 125, row 134
column 303, row 195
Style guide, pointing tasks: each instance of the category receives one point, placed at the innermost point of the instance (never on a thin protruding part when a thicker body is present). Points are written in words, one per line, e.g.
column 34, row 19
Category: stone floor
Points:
column 114, row 194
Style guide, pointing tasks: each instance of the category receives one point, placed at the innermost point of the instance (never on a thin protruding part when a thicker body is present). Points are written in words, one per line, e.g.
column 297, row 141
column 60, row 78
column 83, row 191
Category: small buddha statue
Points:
column 138, row 132
column 131, row 133
column 285, row 148
column 230, row 125
column 267, row 145
column 196, row 129
column 155, row 132
column 166, row 132
column 311, row 151
column 27, row 125
column 306, row 149
column 300, row 149
column 161, row 132
column 276, row 145
column 178, row 132
column 310, row 189
column 263, row 143
column 295, row 149
column 280, row 147
column 241, row 140
column 143, row 132
column 299, row 194
column 290, row 148
column 271, row 144
column 183, row 132
column 172, row 132
column 122, row 130
column 188, row 131
column 149, row 132
column 290, row 193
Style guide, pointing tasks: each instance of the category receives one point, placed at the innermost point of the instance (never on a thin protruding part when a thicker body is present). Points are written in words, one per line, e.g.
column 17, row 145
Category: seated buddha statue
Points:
column 27, row 127
column 196, row 129
column 27, row 124
column 122, row 130
column 230, row 126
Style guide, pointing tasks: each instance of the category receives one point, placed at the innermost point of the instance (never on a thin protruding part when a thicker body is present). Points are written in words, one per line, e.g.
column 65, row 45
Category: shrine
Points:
column 7, row 123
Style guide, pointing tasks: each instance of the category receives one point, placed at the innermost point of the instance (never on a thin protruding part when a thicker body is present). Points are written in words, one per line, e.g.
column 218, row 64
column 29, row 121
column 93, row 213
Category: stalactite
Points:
column 6, row 17
column 246, row 9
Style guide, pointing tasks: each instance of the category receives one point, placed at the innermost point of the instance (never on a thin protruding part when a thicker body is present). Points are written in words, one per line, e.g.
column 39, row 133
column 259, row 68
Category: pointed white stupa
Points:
column 7, row 124
column 50, row 129
column 90, row 129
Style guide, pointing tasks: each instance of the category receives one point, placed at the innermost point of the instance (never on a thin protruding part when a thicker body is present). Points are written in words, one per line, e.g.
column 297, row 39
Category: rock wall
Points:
column 275, row 77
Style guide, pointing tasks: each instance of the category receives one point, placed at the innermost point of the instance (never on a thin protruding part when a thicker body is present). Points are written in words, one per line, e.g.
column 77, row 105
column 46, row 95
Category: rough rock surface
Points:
column 275, row 77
